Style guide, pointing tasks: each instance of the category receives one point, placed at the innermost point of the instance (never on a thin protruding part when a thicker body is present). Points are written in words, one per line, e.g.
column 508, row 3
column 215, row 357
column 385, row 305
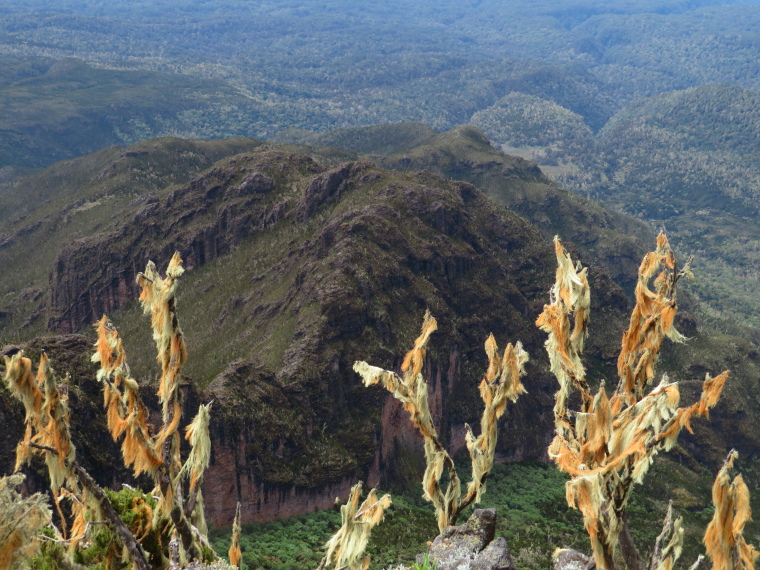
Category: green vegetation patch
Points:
column 532, row 514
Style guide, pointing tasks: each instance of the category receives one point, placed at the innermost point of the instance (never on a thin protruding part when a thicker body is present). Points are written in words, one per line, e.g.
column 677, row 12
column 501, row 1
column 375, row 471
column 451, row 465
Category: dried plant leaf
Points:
column 235, row 553
column 500, row 384
column 664, row 557
column 200, row 442
column 724, row 539
column 126, row 413
column 651, row 320
column 158, row 298
column 23, row 385
column 609, row 444
column 346, row 547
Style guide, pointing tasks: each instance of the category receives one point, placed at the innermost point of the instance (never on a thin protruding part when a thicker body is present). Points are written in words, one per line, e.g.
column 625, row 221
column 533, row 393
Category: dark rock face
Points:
column 203, row 220
column 326, row 187
column 254, row 183
column 344, row 263
column 471, row 545
column 259, row 440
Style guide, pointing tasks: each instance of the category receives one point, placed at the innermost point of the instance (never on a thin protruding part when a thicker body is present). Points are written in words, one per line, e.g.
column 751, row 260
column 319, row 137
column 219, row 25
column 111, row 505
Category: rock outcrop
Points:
column 296, row 270
column 568, row 559
column 471, row 546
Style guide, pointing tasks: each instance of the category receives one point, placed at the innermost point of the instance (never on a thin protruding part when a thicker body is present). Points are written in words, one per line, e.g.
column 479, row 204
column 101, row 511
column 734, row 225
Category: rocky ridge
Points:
column 295, row 270
column 347, row 261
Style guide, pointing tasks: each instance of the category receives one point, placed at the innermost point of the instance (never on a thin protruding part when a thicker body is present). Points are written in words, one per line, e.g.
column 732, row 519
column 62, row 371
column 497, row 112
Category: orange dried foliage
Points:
column 23, row 385
column 8, row 550
column 55, row 417
column 48, row 430
column 415, row 358
column 142, row 523
column 79, row 511
column 126, row 413
column 651, row 320
column 611, row 441
column 235, row 552
column 345, row 550
column 724, row 539
column 500, row 383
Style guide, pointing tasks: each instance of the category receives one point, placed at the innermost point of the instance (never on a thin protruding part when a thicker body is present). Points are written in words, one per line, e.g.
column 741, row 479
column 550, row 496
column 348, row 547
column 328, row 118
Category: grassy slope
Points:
column 78, row 198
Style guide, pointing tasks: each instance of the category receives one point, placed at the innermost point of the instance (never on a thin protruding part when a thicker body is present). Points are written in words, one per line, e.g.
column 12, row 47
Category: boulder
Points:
column 471, row 546
column 569, row 559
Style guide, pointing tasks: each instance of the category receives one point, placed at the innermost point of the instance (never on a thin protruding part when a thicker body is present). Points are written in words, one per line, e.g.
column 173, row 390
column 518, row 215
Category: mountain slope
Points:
column 42, row 212
column 610, row 240
column 707, row 137
column 296, row 269
column 688, row 160
column 294, row 272
column 685, row 160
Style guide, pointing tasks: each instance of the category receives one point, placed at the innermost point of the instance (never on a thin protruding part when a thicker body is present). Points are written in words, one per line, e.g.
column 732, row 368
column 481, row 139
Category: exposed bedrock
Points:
column 332, row 266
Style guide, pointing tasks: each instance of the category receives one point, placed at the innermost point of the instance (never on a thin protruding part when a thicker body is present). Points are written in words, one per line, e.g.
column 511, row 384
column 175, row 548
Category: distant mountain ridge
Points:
column 57, row 110
column 685, row 160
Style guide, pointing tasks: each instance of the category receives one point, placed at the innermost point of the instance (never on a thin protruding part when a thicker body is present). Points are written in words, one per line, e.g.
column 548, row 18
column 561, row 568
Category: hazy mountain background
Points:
column 343, row 63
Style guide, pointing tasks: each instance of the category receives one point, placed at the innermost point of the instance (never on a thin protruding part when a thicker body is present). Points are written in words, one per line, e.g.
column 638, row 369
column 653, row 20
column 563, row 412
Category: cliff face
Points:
column 296, row 270
column 333, row 265
column 203, row 220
